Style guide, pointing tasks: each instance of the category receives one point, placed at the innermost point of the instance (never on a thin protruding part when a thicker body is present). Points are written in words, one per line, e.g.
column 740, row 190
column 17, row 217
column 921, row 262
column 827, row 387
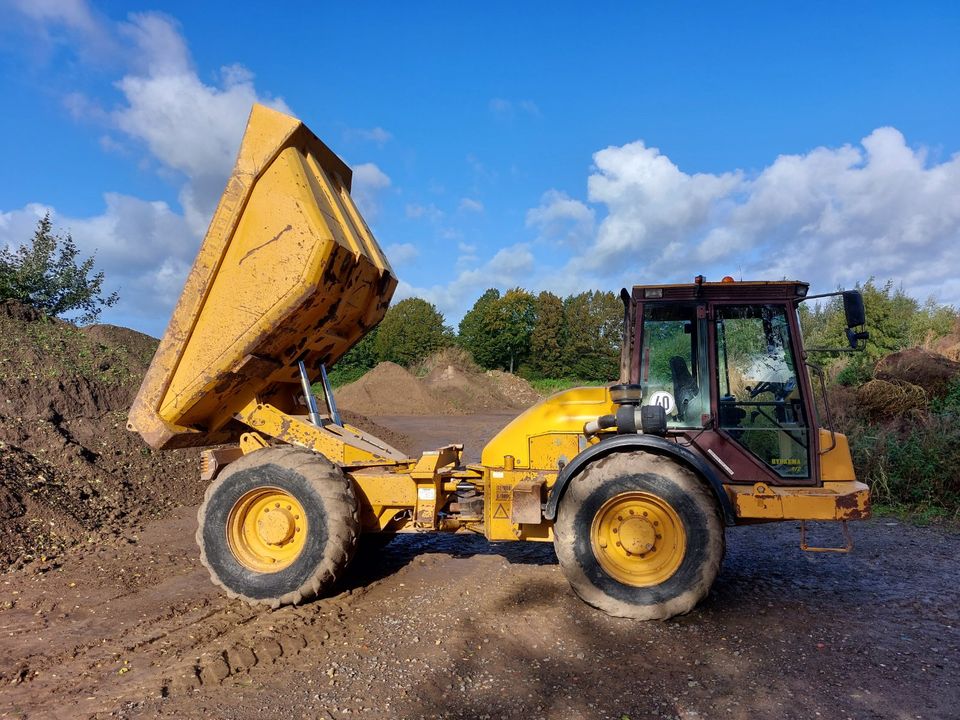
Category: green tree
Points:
column 410, row 331
column 356, row 361
column 594, row 323
column 548, row 337
column 476, row 330
column 47, row 275
column 514, row 316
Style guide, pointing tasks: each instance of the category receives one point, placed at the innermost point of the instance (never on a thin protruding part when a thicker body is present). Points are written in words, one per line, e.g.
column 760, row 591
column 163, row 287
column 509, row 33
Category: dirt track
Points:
column 451, row 626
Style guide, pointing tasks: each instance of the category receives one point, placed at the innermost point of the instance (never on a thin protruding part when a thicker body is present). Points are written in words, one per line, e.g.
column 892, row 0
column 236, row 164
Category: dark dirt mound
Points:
column 933, row 372
column 69, row 470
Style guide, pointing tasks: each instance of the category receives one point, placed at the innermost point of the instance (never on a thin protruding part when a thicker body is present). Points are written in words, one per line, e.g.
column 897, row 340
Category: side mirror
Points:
column 856, row 316
column 853, row 308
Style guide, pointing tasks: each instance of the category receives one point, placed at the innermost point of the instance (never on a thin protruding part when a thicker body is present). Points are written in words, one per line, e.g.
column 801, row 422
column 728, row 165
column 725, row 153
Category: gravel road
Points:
column 452, row 626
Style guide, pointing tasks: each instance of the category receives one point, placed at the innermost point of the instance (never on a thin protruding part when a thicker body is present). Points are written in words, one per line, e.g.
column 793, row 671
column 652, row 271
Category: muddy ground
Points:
column 451, row 626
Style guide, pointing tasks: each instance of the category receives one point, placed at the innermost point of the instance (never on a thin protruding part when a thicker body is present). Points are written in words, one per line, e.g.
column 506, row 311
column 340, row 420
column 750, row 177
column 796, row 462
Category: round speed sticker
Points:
column 664, row 400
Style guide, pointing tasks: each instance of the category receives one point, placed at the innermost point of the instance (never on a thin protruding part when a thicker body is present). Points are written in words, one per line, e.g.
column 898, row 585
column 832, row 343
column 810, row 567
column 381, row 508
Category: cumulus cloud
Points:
column 504, row 108
column 509, row 267
column 189, row 130
column 401, row 253
column 470, row 205
column 376, row 135
column 145, row 248
column 560, row 218
column 369, row 181
column 833, row 216
column 430, row 212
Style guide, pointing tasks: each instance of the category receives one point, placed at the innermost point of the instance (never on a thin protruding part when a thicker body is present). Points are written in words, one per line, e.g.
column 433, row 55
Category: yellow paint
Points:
column 337, row 445
column 848, row 500
column 381, row 494
column 288, row 271
column 251, row 442
column 267, row 529
column 835, row 464
column 638, row 539
column 549, row 431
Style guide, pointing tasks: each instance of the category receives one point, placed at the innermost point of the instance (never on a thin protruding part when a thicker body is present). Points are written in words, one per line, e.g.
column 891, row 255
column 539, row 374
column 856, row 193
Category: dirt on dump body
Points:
column 451, row 384
column 70, row 471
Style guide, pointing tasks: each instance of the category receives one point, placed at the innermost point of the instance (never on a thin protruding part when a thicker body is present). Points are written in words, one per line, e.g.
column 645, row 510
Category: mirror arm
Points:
column 818, row 371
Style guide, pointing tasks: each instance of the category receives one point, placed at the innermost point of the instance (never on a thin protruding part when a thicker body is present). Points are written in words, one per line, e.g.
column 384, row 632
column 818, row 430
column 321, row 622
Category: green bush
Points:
column 912, row 463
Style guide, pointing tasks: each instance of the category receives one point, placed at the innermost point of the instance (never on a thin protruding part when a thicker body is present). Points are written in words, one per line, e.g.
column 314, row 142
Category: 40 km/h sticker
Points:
column 664, row 400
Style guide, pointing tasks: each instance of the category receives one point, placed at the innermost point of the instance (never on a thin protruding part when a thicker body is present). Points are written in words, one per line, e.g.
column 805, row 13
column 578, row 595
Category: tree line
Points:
column 537, row 336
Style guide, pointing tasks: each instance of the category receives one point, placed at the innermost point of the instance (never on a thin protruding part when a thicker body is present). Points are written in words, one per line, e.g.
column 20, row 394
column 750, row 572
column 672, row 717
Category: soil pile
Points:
column 452, row 385
column 931, row 371
column 69, row 470
column 389, row 389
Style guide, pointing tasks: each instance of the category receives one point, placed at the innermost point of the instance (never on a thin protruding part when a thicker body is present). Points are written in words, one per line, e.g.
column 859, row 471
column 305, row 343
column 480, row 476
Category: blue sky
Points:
column 552, row 145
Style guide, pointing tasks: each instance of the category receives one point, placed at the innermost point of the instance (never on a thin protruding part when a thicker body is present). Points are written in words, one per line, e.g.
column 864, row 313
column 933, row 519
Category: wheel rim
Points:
column 266, row 529
column 638, row 539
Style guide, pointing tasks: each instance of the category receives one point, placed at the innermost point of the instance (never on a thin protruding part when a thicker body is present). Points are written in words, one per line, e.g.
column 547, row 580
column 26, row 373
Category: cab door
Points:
column 758, row 398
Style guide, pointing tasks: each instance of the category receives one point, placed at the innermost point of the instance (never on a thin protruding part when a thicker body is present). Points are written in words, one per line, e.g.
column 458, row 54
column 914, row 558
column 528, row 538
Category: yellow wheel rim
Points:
column 266, row 529
column 638, row 539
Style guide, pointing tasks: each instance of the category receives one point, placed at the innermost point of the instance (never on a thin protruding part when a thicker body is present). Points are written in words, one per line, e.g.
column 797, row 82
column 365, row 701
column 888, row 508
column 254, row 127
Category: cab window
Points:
column 759, row 402
column 673, row 364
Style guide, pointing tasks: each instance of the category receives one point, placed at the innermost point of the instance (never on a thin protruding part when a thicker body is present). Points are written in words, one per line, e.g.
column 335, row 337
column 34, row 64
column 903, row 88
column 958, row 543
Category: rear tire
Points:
column 310, row 544
column 669, row 524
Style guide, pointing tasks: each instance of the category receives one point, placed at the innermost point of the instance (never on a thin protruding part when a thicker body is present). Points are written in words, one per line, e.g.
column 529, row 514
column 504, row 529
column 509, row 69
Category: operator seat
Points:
column 685, row 388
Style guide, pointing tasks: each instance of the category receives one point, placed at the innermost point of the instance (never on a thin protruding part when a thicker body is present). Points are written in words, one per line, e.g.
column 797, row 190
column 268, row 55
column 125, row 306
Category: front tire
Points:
column 639, row 536
column 278, row 526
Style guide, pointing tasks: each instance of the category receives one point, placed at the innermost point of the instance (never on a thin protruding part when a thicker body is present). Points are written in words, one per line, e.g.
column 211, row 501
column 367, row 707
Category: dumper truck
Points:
column 712, row 423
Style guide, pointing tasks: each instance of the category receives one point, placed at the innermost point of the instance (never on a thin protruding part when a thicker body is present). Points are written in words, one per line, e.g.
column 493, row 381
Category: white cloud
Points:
column 74, row 14
column 376, row 135
column 650, row 202
column 509, row 267
column 833, row 216
column 504, row 108
column 369, row 181
column 560, row 218
column 144, row 248
column 470, row 205
column 430, row 212
column 190, row 129
column 401, row 253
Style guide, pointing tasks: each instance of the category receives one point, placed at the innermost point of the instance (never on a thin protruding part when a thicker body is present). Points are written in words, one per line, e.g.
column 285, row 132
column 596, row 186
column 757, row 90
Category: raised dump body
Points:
column 288, row 271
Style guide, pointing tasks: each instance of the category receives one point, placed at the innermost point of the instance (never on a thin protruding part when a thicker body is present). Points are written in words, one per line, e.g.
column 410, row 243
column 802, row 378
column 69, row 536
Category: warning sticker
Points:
column 501, row 512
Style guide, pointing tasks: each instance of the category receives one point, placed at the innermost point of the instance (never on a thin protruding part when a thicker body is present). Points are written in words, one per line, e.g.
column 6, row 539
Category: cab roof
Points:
column 728, row 289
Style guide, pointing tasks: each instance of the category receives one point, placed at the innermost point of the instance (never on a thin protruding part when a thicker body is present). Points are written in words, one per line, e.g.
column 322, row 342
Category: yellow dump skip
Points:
column 288, row 271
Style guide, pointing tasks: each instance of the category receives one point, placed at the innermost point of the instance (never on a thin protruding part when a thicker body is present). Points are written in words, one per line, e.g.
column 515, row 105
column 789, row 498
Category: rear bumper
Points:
column 846, row 500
